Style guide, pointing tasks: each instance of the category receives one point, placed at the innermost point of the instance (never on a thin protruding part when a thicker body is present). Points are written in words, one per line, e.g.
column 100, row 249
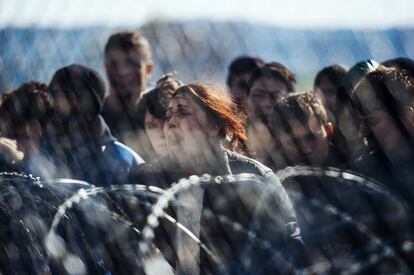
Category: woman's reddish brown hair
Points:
column 222, row 110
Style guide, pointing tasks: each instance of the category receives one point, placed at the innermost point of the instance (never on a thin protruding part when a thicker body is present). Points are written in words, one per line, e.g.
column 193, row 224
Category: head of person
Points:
column 239, row 72
column 403, row 63
column 199, row 118
column 151, row 110
column 24, row 113
column 327, row 84
column 128, row 64
column 384, row 101
column 358, row 72
column 267, row 84
column 302, row 129
column 77, row 92
column 346, row 122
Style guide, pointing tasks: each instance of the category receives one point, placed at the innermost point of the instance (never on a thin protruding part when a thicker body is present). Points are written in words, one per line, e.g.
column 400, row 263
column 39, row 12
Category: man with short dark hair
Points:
column 327, row 85
column 303, row 131
column 82, row 137
column 239, row 72
column 267, row 84
column 128, row 66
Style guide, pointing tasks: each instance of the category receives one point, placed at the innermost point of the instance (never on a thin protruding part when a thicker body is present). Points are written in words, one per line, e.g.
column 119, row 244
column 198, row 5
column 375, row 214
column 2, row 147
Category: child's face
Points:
column 154, row 127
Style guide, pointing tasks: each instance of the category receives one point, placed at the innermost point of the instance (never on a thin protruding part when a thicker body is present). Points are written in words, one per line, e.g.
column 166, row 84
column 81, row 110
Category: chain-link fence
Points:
column 198, row 50
column 337, row 197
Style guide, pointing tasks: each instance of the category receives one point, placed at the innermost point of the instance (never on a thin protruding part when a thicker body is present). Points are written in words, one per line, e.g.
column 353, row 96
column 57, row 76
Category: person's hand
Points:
column 9, row 150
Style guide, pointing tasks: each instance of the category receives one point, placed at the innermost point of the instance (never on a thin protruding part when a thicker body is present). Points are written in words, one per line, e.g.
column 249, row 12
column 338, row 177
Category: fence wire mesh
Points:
column 118, row 158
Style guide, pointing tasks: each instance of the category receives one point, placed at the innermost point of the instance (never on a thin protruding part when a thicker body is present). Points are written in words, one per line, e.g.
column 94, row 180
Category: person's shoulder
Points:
column 242, row 164
column 147, row 90
column 370, row 162
column 337, row 158
column 150, row 167
column 112, row 111
column 153, row 173
column 125, row 153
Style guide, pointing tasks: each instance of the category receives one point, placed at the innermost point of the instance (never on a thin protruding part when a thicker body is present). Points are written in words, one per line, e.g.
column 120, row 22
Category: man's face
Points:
column 127, row 72
column 239, row 88
column 263, row 96
column 305, row 144
column 327, row 92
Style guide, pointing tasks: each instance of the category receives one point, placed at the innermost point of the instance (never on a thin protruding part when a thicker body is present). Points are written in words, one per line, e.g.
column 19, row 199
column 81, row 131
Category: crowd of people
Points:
column 359, row 119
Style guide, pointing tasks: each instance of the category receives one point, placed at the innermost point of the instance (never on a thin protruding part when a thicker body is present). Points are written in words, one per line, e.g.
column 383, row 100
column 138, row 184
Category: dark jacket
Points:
column 396, row 174
column 280, row 227
column 163, row 172
column 120, row 121
column 128, row 129
column 101, row 160
column 332, row 207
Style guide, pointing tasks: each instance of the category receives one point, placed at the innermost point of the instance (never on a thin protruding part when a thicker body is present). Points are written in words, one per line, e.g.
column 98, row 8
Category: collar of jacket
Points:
column 100, row 137
column 221, row 165
column 101, row 132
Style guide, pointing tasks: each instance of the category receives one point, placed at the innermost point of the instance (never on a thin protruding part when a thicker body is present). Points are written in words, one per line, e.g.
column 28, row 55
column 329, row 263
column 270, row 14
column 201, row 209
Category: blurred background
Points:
column 198, row 39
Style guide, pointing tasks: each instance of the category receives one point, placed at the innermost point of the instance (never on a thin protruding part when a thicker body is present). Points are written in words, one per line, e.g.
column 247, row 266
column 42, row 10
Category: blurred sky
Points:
column 374, row 14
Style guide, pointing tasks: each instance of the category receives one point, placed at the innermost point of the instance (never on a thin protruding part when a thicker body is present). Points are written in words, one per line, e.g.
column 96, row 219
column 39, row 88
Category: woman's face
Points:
column 68, row 104
column 378, row 120
column 63, row 106
column 154, row 127
column 188, row 130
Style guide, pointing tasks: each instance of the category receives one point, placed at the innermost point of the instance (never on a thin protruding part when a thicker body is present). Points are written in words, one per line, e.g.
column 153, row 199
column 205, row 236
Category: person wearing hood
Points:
column 81, row 138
